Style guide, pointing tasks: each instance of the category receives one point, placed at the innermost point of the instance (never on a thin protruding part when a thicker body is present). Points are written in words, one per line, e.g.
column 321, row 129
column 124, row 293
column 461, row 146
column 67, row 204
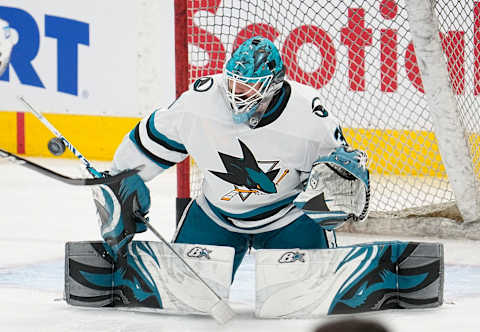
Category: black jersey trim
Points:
column 225, row 217
column 135, row 138
column 277, row 106
column 161, row 139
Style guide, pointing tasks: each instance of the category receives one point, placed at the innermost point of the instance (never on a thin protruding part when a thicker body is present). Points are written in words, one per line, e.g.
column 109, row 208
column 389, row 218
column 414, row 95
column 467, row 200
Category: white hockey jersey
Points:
column 251, row 176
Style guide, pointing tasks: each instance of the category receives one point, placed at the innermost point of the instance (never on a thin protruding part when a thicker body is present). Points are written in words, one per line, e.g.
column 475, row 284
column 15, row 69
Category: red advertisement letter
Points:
column 356, row 37
column 476, row 43
column 318, row 37
column 388, row 49
column 257, row 29
column 205, row 41
column 453, row 45
column 388, row 59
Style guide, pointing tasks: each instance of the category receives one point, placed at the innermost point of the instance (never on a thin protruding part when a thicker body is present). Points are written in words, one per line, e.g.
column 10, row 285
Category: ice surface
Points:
column 38, row 215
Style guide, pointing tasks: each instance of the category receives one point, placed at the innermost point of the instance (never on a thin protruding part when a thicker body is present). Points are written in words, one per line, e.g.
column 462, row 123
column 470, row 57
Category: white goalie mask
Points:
column 244, row 94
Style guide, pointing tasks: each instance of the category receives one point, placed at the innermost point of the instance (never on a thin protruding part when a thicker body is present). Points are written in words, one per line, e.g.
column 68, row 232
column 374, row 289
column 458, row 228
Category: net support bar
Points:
column 443, row 107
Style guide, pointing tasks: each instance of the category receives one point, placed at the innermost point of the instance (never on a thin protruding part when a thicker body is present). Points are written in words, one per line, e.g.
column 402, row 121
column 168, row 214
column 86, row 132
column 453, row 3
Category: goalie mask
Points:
column 6, row 44
column 252, row 76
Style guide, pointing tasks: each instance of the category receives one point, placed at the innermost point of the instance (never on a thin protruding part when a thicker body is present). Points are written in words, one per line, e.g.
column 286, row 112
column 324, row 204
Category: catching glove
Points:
column 338, row 189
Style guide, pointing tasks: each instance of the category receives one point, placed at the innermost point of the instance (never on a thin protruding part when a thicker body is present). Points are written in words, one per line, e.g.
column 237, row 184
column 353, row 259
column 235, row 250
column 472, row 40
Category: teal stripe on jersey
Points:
column 161, row 139
column 253, row 213
column 135, row 138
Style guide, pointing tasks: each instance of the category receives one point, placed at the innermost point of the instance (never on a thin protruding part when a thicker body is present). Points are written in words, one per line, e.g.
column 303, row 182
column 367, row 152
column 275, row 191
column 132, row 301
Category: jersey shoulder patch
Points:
column 318, row 109
column 203, row 84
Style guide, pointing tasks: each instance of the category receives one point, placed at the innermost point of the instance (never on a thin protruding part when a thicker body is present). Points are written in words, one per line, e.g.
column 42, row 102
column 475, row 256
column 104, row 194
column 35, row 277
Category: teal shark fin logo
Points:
column 245, row 172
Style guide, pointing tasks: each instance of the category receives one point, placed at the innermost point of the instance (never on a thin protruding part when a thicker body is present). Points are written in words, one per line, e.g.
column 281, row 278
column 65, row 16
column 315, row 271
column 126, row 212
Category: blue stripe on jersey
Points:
column 135, row 138
column 161, row 139
column 253, row 214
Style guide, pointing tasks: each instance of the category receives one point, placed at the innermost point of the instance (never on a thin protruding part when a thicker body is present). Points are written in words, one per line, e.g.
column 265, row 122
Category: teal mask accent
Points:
column 254, row 58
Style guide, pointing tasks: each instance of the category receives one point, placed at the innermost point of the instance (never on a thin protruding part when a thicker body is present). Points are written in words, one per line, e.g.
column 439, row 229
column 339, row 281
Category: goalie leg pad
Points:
column 148, row 278
column 360, row 278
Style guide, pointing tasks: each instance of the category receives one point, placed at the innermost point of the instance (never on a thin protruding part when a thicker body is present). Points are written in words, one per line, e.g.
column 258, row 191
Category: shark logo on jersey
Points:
column 247, row 176
column 198, row 252
column 291, row 257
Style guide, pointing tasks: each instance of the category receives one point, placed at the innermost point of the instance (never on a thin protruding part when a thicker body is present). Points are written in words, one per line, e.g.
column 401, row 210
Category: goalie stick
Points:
column 221, row 311
column 63, row 178
column 57, row 134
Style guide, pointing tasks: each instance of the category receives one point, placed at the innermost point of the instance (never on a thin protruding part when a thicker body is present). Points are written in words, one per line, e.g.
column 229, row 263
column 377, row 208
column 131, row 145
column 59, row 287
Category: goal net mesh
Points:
column 360, row 57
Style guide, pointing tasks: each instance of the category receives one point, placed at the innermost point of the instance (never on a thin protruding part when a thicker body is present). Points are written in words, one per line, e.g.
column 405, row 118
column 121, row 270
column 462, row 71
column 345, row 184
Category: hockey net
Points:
column 360, row 57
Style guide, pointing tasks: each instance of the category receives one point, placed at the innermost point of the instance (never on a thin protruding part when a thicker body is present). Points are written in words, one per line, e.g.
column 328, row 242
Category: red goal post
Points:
column 421, row 135
column 181, row 85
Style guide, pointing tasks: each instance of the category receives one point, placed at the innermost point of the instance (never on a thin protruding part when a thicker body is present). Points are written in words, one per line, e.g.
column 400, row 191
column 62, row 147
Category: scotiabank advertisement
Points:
column 84, row 57
column 358, row 54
